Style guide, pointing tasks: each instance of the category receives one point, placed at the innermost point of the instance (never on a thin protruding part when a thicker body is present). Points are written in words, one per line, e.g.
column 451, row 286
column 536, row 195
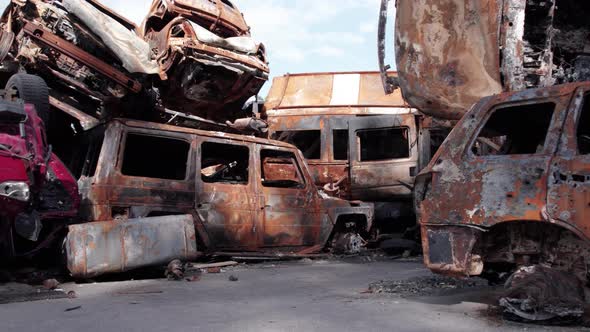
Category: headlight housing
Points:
column 16, row 190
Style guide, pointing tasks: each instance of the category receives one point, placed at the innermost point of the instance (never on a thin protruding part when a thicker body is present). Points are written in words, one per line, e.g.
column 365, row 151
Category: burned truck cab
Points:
column 229, row 193
column 360, row 143
column 509, row 186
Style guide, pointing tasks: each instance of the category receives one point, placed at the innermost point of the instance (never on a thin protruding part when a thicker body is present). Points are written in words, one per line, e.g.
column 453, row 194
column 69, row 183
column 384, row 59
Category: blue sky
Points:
column 302, row 35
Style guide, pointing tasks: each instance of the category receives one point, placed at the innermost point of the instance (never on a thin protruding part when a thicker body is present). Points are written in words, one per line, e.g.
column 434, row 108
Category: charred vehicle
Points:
column 99, row 65
column 360, row 143
column 38, row 195
column 508, row 191
column 152, row 192
column 451, row 53
column 205, row 49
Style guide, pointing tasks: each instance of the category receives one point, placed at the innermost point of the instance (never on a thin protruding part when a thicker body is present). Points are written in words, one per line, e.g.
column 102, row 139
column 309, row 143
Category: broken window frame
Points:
column 229, row 143
column 346, row 141
column 123, row 148
column 357, row 139
column 276, row 136
column 579, row 116
column 468, row 152
column 86, row 160
column 297, row 165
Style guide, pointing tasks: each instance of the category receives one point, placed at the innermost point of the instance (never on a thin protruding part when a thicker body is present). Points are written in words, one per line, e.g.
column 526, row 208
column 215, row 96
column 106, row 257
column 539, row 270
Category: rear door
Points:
column 383, row 156
column 568, row 198
column 225, row 199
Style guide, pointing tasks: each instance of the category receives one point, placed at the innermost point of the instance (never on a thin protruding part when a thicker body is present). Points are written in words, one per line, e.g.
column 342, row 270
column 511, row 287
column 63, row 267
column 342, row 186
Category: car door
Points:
column 568, row 198
column 383, row 156
column 225, row 202
column 286, row 200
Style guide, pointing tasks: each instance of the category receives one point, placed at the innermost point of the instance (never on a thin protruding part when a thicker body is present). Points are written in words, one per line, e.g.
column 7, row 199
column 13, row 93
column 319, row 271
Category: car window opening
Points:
column 383, row 144
column 515, row 130
column 224, row 163
column 340, row 144
column 583, row 131
column 155, row 157
column 280, row 170
column 308, row 141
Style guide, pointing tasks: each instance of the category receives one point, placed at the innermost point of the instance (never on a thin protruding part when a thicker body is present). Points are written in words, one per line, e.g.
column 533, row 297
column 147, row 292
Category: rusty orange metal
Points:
column 478, row 211
column 273, row 207
column 451, row 53
column 193, row 58
column 349, row 102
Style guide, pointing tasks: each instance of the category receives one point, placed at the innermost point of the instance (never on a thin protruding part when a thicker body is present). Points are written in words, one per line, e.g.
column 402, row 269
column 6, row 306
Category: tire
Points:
column 31, row 89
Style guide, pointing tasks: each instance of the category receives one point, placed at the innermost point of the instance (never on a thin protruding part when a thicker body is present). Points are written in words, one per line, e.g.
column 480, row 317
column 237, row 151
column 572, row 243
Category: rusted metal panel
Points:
column 447, row 53
column 219, row 15
column 325, row 90
column 471, row 196
column 451, row 53
column 78, row 54
column 111, row 246
column 386, row 178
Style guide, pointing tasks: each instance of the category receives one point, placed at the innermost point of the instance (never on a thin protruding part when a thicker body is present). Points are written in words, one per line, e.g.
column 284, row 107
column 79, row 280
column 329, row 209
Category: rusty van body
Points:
column 240, row 194
column 509, row 186
column 360, row 143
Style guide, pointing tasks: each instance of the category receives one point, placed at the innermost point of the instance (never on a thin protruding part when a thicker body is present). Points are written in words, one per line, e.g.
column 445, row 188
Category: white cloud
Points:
column 295, row 30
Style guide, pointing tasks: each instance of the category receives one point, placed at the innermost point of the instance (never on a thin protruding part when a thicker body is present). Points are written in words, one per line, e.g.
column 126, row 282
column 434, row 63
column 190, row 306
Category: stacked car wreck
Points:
column 128, row 110
column 100, row 65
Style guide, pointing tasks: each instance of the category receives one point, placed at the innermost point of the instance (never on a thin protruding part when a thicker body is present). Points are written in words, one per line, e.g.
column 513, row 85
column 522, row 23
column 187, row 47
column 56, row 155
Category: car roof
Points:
column 205, row 133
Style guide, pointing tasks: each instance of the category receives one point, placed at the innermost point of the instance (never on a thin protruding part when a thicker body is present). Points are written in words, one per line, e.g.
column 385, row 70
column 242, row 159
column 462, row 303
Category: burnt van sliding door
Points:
column 383, row 156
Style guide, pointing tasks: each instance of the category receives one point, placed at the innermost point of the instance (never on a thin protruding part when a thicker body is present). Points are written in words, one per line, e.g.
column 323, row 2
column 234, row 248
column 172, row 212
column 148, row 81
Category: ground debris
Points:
column 542, row 294
column 50, row 283
column 73, row 308
column 175, row 270
column 424, row 286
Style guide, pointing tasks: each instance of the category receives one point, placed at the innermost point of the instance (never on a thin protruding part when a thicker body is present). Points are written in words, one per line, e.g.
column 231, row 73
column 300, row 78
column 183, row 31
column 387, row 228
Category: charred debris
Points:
column 152, row 154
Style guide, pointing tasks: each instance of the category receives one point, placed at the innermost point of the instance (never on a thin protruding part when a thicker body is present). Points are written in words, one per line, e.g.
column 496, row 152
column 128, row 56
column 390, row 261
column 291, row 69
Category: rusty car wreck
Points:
column 99, row 65
column 211, row 191
column 360, row 143
column 514, row 198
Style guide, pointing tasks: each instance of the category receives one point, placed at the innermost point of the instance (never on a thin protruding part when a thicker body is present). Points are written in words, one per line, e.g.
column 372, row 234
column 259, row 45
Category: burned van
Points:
column 217, row 192
column 509, row 189
column 360, row 143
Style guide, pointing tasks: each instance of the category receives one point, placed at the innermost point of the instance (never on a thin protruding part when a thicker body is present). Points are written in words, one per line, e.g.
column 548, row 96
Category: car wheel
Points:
column 31, row 89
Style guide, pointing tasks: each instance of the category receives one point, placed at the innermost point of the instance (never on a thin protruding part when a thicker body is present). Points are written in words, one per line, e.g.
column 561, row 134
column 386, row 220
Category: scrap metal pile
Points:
column 127, row 193
column 192, row 57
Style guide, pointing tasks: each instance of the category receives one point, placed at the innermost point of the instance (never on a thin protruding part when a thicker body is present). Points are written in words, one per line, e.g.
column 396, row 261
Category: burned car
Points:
column 100, row 66
column 205, row 49
column 38, row 195
column 360, row 143
column 152, row 192
column 508, row 191
column 451, row 53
